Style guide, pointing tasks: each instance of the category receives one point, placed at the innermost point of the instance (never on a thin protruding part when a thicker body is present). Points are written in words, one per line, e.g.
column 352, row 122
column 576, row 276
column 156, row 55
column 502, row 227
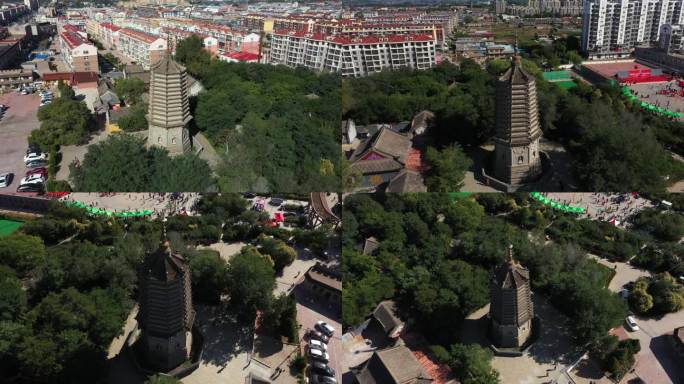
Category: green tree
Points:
column 162, row 379
column 447, row 169
column 130, row 90
column 65, row 90
column 251, row 282
column 472, row 364
column 641, row 301
column 123, row 163
column 209, row 276
column 136, row 120
column 24, row 253
column 63, row 122
column 281, row 254
column 190, row 51
column 12, row 296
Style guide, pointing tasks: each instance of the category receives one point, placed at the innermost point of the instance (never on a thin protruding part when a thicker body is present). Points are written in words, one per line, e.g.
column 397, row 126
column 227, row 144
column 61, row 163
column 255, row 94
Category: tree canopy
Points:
column 122, row 163
column 278, row 128
column 613, row 145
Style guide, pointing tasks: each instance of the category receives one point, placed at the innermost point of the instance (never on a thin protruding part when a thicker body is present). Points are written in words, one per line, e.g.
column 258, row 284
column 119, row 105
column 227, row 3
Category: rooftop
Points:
column 139, row 35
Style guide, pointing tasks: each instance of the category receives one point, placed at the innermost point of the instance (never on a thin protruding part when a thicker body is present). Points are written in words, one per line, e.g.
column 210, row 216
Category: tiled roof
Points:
column 242, row 56
column 73, row 39
column 71, row 28
column 110, row 26
column 139, row 35
column 360, row 40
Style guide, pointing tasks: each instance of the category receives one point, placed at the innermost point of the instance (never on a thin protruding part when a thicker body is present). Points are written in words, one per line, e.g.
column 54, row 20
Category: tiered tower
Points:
column 516, row 151
column 169, row 109
column 511, row 310
column 166, row 315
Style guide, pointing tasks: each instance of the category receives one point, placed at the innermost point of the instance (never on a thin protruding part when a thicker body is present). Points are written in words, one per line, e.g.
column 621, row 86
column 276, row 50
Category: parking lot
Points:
column 15, row 127
column 311, row 310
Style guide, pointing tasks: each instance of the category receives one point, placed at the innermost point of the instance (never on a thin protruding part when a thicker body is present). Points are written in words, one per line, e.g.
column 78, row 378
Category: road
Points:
column 15, row 127
column 655, row 363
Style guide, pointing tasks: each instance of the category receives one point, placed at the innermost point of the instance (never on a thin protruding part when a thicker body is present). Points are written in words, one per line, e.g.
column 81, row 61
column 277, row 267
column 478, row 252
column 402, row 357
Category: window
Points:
column 159, row 140
column 173, row 141
column 520, row 159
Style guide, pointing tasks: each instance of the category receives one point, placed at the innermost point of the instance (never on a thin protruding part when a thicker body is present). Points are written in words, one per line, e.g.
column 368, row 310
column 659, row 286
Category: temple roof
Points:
column 164, row 264
column 516, row 74
column 167, row 66
column 511, row 274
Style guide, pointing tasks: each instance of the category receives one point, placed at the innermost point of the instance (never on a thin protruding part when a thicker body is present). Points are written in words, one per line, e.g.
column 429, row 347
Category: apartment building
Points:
column 671, row 38
column 11, row 12
column 79, row 54
column 144, row 48
column 612, row 28
column 109, row 35
column 15, row 78
column 352, row 56
column 228, row 39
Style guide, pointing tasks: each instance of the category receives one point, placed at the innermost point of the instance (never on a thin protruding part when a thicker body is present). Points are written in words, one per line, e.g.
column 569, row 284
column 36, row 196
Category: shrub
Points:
column 440, row 353
column 298, row 364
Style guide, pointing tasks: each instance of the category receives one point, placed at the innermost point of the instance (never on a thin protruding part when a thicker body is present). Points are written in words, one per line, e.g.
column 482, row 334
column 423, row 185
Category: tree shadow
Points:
column 664, row 352
column 554, row 342
column 225, row 337
column 319, row 305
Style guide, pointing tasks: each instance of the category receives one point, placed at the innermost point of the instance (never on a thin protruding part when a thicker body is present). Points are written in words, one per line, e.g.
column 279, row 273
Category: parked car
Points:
column 319, row 355
column 313, row 343
column 37, row 171
column 32, row 179
column 44, row 103
column 325, row 328
column 249, row 195
column 322, row 369
column 317, row 335
column 33, row 156
column 318, row 379
column 3, row 107
column 30, row 188
column 36, row 163
column 631, row 323
column 6, row 179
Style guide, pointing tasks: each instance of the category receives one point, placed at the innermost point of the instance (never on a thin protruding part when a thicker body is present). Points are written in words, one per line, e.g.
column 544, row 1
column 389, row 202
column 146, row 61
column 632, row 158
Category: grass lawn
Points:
column 9, row 226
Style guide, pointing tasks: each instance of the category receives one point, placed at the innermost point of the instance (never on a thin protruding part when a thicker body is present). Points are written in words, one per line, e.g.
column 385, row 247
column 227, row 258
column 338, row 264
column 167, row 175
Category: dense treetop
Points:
column 615, row 145
column 277, row 128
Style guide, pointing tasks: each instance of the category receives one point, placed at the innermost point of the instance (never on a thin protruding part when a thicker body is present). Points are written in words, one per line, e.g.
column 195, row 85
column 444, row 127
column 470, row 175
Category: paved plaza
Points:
column 227, row 349
column 604, row 206
column 648, row 92
column 15, row 127
column 163, row 204
column 546, row 361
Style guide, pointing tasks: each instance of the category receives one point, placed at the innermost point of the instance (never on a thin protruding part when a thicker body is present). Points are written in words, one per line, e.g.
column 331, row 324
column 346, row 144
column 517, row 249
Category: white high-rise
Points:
column 612, row 28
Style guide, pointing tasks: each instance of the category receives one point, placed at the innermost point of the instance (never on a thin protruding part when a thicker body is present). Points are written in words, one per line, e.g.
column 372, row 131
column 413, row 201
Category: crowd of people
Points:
column 615, row 208
column 161, row 204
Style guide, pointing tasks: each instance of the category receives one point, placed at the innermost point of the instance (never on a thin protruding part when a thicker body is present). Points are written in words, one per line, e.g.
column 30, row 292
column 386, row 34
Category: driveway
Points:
column 15, row 127
column 657, row 361
column 624, row 273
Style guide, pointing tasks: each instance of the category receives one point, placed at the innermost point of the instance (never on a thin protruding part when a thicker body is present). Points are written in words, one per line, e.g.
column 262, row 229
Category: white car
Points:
column 317, row 354
column 325, row 328
column 317, row 344
column 6, row 179
column 32, row 179
column 33, row 156
column 632, row 324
